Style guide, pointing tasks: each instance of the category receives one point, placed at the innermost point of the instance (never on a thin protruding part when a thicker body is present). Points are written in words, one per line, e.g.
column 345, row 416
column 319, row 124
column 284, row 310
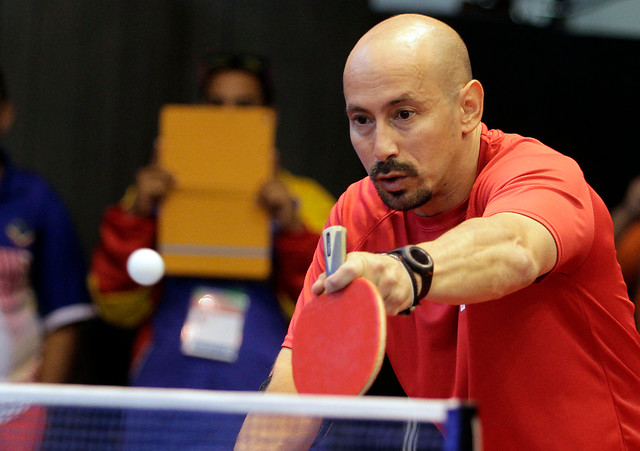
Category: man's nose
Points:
column 385, row 145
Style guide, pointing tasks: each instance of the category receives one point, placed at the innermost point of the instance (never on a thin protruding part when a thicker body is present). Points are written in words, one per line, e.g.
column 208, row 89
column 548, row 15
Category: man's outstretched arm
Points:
column 278, row 432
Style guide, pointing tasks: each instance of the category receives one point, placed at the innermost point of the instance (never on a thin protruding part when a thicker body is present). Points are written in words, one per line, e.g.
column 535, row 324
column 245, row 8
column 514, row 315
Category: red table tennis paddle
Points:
column 340, row 337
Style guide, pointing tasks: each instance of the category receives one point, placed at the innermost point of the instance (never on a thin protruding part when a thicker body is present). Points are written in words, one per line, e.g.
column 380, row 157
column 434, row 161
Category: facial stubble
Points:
column 402, row 200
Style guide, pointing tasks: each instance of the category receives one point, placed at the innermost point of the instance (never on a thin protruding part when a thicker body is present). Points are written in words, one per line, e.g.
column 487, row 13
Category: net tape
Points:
column 70, row 417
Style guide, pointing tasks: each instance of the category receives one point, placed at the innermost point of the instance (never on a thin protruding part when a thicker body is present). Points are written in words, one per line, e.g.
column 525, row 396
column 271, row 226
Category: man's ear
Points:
column 7, row 115
column 471, row 105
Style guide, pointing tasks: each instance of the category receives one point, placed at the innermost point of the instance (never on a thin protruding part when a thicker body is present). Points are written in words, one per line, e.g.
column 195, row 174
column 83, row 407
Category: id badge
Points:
column 215, row 323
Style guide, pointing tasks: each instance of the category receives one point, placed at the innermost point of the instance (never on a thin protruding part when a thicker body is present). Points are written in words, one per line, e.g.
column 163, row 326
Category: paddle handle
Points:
column 335, row 247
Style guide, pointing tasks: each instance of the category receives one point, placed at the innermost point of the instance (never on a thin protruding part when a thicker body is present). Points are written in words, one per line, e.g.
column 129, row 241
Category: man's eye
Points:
column 404, row 114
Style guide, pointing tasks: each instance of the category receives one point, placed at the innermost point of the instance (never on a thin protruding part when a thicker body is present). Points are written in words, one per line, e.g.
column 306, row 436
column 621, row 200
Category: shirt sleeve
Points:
column 59, row 266
column 549, row 188
column 120, row 300
column 294, row 253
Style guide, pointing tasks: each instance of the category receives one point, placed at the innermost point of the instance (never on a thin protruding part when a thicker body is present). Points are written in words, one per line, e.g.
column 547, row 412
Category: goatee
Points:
column 402, row 200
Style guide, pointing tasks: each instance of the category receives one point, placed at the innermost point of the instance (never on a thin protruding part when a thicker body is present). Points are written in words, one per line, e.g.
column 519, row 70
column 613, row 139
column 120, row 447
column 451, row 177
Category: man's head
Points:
column 235, row 80
column 414, row 112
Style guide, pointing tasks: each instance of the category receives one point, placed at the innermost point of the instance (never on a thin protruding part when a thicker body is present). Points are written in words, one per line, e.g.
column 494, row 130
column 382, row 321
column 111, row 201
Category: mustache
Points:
column 388, row 166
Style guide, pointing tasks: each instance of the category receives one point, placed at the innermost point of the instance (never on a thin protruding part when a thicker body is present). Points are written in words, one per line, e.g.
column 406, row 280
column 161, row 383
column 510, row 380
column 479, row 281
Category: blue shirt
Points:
column 42, row 269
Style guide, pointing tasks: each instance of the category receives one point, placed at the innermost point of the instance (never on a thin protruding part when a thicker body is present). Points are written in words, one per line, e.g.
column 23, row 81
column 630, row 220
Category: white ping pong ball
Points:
column 145, row 266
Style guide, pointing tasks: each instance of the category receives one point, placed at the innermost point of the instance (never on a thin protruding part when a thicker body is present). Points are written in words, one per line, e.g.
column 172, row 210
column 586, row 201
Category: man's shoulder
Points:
column 497, row 143
column 30, row 185
column 513, row 152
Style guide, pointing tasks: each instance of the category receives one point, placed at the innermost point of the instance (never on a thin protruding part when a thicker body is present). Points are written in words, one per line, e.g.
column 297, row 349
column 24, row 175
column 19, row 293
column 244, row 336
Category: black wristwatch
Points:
column 416, row 261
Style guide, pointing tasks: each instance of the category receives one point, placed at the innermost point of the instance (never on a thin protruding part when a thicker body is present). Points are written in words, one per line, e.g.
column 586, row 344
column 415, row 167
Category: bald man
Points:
column 503, row 286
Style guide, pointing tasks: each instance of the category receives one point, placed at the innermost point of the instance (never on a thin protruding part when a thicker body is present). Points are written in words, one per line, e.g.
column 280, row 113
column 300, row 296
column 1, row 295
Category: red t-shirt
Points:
column 555, row 365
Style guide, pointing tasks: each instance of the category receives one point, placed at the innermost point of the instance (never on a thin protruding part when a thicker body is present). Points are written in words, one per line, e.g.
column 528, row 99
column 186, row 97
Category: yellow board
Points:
column 211, row 224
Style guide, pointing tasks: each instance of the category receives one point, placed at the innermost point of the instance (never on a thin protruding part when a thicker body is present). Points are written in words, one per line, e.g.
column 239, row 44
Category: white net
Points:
column 67, row 417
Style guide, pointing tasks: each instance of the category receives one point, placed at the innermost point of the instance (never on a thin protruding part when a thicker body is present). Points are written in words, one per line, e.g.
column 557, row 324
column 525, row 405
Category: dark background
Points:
column 89, row 77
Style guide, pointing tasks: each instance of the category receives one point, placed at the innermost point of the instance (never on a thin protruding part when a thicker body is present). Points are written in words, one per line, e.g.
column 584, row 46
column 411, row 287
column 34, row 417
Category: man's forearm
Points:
column 278, row 432
column 59, row 354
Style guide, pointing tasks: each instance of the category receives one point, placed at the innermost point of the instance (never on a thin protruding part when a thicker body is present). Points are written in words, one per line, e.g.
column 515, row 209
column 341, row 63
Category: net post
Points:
column 460, row 428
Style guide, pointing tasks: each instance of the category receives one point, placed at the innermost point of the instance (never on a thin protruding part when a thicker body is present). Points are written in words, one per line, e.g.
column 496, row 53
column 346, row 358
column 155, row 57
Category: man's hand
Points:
column 388, row 275
column 276, row 199
column 153, row 184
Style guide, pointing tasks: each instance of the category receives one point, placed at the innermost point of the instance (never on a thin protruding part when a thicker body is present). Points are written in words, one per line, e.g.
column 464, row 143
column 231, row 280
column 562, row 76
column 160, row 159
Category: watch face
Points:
column 420, row 255
column 422, row 263
column 419, row 259
column 416, row 261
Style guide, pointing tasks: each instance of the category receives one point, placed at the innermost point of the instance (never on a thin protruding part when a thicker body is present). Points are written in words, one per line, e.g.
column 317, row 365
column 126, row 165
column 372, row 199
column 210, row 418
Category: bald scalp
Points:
column 414, row 40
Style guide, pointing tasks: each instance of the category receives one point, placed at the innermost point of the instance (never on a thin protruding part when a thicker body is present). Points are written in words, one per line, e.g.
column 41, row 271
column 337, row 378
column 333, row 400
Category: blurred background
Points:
column 89, row 77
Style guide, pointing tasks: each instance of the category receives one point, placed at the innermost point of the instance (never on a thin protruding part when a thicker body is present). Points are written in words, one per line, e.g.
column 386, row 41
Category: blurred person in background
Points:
column 43, row 296
column 299, row 207
column 626, row 224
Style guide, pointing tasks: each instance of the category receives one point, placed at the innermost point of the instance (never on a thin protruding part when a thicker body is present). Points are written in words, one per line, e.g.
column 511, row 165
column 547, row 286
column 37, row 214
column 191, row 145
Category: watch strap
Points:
column 416, row 261
column 414, row 282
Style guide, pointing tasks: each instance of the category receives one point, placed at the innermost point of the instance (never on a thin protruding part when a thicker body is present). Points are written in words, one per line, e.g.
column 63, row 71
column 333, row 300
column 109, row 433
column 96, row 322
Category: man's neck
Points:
column 460, row 185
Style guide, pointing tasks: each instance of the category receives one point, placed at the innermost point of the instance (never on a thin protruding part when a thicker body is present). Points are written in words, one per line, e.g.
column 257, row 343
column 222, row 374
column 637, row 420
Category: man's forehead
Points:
column 388, row 88
column 365, row 103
